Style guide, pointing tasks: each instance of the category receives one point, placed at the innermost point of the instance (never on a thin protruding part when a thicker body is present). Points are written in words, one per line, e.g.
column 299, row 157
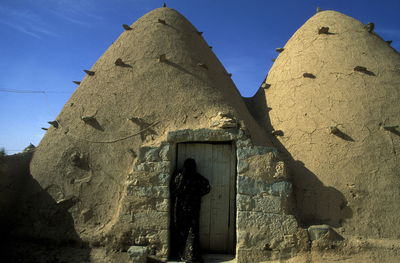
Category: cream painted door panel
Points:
column 217, row 163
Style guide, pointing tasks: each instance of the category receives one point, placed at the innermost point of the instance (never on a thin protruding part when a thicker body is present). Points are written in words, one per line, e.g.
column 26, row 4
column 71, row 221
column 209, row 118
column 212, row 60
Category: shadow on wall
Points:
column 314, row 203
column 33, row 223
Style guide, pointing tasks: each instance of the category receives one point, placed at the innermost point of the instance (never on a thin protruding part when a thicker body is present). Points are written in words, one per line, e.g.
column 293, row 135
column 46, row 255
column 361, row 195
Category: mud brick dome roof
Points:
column 335, row 96
column 159, row 75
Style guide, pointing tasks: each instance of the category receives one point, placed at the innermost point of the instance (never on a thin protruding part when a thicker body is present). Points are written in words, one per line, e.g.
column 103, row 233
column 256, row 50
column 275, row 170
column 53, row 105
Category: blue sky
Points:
column 45, row 45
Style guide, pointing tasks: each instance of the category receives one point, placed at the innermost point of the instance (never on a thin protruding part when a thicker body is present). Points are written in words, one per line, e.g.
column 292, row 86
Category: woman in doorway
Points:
column 187, row 189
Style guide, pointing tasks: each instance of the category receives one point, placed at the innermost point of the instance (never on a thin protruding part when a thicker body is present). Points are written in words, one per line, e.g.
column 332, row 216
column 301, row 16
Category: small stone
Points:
column 53, row 123
column 119, row 62
column 132, row 153
column 309, row 75
column 280, row 171
column 370, row 27
column 138, row 254
column 334, row 130
column 126, row 27
column 277, row 133
column 323, row 30
column 162, row 58
column 90, row 73
column 279, row 49
column 360, row 68
column 223, row 121
column 364, row 70
column 317, row 231
column 202, row 65
column 87, row 119
column 265, row 85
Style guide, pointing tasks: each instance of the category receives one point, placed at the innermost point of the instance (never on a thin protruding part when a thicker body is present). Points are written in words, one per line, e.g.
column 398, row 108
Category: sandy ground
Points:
column 363, row 252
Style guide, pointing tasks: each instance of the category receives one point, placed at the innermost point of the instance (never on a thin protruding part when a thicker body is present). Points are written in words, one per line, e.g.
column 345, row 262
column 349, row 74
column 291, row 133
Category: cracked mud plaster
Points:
column 354, row 102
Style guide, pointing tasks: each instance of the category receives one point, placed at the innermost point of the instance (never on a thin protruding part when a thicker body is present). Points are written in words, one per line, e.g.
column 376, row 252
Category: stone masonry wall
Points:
column 146, row 206
column 264, row 227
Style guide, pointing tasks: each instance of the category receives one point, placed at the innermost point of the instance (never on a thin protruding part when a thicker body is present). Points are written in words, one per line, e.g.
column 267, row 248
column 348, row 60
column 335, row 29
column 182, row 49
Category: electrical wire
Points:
column 32, row 91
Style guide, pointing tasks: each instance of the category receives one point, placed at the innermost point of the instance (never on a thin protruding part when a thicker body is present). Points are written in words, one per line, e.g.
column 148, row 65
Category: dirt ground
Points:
column 348, row 251
column 353, row 250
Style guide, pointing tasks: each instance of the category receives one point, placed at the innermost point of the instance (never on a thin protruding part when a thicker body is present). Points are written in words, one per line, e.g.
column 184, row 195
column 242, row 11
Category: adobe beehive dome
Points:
column 335, row 95
column 158, row 76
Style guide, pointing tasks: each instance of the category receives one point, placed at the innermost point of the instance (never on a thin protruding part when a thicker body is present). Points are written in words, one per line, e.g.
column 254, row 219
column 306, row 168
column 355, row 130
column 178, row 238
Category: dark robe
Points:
column 188, row 187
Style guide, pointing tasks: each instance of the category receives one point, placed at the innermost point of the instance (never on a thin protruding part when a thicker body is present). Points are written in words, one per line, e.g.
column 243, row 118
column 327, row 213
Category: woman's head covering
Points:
column 189, row 165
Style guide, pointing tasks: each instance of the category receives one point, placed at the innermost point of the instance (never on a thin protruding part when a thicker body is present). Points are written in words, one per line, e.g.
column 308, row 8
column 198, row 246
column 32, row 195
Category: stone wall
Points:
column 265, row 229
column 146, row 205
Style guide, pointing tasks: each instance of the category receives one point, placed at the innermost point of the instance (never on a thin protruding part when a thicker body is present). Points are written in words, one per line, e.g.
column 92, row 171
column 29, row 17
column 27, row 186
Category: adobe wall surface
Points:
column 339, row 125
column 84, row 160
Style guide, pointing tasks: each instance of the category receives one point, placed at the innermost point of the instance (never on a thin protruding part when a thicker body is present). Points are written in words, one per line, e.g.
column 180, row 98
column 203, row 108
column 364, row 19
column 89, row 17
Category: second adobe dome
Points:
column 335, row 95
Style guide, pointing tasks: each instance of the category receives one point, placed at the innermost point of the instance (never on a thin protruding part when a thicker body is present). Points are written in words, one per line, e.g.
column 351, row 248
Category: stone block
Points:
column 250, row 186
column 162, row 205
column 151, row 219
column 244, row 202
column 137, row 254
column 280, row 171
column 317, row 231
column 165, row 152
column 145, row 237
column 224, row 121
column 164, row 178
column 245, row 142
column 265, row 167
column 142, row 178
column 202, row 135
column 136, row 203
column 161, row 166
column 246, row 152
column 242, row 166
column 149, row 154
column 148, row 191
column 282, row 188
column 268, row 204
column 267, row 224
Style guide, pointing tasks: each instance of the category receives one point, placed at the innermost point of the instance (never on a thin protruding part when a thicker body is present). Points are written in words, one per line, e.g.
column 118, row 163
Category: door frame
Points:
column 232, row 192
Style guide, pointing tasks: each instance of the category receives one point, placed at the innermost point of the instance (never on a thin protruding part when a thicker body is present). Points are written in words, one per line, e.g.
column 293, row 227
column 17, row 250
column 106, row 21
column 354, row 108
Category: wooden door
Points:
column 217, row 163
